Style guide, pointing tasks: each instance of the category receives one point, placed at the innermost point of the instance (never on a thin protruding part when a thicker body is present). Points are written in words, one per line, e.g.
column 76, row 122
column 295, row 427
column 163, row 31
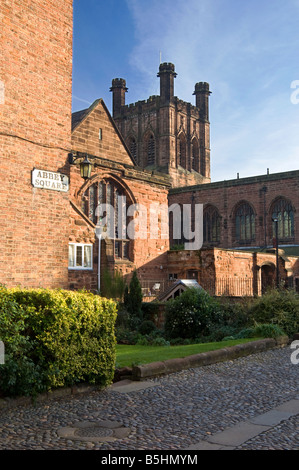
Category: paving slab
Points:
column 127, row 386
column 205, row 445
column 272, row 418
column 238, row 434
column 291, row 406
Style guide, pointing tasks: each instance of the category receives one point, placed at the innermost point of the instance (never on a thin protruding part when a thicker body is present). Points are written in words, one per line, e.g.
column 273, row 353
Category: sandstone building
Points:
column 149, row 155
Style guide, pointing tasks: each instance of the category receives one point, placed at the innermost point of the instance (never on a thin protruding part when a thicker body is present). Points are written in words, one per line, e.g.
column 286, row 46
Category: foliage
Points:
column 19, row 374
column 235, row 312
column 265, row 330
column 113, row 286
column 147, row 327
column 133, row 301
column 69, row 337
column 278, row 306
column 191, row 315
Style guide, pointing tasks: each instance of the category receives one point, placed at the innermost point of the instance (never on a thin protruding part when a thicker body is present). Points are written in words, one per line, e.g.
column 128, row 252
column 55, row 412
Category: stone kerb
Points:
column 202, row 359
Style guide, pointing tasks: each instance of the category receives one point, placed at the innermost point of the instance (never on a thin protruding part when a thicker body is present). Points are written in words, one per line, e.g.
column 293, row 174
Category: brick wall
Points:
column 35, row 127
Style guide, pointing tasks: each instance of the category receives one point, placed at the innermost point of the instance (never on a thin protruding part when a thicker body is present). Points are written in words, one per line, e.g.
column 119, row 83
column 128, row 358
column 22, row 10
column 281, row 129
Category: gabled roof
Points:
column 181, row 283
column 79, row 116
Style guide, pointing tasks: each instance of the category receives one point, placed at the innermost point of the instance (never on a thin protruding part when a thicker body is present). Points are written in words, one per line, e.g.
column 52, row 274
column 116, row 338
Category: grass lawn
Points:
column 128, row 355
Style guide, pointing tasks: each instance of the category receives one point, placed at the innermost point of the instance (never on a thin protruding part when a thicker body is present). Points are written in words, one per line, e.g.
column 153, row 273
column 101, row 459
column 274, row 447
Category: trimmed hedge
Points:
column 64, row 338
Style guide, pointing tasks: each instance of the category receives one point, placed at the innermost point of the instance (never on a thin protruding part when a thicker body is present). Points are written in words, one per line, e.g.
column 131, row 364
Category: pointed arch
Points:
column 182, row 150
column 244, row 222
column 132, row 146
column 195, row 155
column 211, row 225
column 149, row 148
column 282, row 209
column 115, row 198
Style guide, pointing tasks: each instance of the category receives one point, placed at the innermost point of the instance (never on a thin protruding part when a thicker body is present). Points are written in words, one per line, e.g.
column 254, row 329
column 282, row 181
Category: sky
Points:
column 246, row 50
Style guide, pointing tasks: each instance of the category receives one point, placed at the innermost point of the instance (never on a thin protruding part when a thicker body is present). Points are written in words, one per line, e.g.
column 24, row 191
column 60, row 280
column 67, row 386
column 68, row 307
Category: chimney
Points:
column 119, row 90
column 167, row 76
column 202, row 93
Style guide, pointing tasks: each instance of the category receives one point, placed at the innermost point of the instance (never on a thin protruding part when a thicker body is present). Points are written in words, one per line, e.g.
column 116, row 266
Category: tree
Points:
column 133, row 299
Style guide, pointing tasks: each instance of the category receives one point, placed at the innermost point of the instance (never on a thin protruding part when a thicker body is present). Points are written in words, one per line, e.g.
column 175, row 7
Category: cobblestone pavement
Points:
column 173, row 412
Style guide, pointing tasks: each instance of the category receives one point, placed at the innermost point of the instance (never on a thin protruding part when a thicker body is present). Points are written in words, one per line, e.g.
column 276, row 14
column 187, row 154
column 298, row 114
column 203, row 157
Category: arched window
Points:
column 283, row 211
column 244, row 223
column 150, row 150
column 182, row 151
column 202, row 169
column 132, row 146
column 211, row 225
column 114, row 203
column 194, row 155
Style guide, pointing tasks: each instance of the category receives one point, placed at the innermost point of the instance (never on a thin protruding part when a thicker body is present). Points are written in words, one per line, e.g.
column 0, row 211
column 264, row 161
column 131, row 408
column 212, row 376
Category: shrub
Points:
column 235, row 312
column 19, row 375
column 147, row 327
column 71, row 335
column 113, row 285
column 268, row 330
column 278, row 306
column 191, row 315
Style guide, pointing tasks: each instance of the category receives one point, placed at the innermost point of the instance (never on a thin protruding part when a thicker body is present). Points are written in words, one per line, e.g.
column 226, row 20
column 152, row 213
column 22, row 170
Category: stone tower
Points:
column 164, row 133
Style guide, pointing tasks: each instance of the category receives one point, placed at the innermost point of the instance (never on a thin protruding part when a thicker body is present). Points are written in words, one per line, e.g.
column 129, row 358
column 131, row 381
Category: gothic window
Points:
column 132, row 146
column 150, row 150
column 182, row 151
column 211, row 225
column 244, row 223
column 110, row 194
column 194, row 155
column 283, row 211
column 202, row 159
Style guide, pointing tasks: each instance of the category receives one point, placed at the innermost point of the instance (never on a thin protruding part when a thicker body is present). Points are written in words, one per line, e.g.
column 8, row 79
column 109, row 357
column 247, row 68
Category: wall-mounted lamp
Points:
column 85, row 165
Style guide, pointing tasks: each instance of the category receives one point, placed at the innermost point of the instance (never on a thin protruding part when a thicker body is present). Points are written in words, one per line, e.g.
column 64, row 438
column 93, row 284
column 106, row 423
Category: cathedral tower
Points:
column 165, row 134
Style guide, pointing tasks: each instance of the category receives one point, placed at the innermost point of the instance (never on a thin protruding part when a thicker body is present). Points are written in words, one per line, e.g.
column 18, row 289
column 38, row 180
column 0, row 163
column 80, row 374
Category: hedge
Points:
column 55, row 338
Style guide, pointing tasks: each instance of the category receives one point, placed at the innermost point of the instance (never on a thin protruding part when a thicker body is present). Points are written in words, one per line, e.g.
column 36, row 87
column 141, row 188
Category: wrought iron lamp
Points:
column 85, row 165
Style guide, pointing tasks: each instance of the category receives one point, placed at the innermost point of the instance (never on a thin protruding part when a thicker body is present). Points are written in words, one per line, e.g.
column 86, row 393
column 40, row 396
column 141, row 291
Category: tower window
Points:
column 195, row 156
column 132, row 146
column 182, row 152
column 151, row 157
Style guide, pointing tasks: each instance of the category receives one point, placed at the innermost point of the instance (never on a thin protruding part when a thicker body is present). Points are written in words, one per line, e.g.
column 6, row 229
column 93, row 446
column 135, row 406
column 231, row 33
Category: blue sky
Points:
column 247, row 51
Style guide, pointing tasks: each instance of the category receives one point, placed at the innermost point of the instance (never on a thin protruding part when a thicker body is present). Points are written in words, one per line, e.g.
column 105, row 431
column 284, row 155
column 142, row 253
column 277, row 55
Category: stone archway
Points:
column 267, row 276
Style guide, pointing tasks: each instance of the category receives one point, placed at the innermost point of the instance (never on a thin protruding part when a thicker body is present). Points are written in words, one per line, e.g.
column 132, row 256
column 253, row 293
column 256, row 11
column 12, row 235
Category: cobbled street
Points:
column 174, row 412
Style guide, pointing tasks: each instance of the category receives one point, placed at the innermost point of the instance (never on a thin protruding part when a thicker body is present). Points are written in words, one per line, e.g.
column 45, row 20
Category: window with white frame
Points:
column 80, row 256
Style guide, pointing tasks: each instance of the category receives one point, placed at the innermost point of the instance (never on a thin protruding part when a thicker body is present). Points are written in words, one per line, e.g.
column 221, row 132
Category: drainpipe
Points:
column 99, row 236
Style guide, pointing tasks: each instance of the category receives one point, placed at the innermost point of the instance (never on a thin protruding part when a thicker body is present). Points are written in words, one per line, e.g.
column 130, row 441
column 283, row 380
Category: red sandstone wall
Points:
column 35, row 127
column 97, row 136
column 166, row 123
column 147, row 255
column 227, row 194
